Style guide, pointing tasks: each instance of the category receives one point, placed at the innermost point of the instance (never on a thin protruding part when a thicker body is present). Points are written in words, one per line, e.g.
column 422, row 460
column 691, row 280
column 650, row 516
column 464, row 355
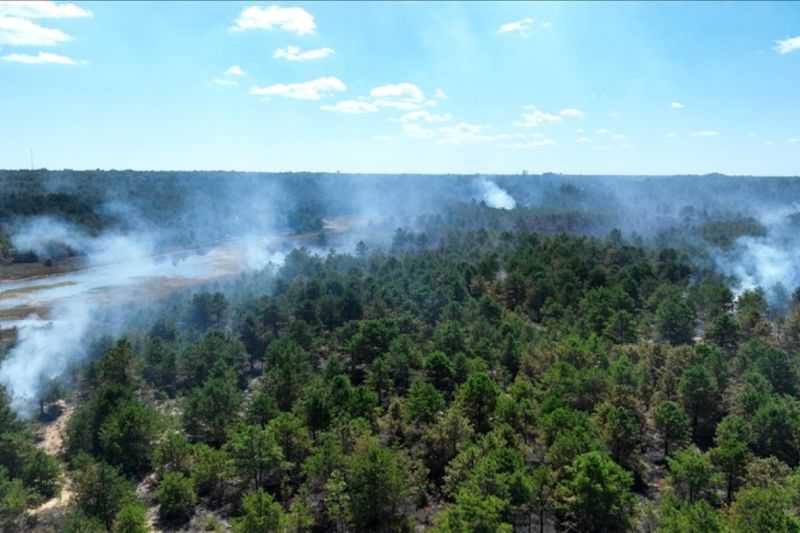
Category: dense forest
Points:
column 559, row 366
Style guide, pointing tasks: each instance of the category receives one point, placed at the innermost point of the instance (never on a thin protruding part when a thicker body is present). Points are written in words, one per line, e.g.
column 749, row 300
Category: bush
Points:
column 176, row 497
column 132, row 518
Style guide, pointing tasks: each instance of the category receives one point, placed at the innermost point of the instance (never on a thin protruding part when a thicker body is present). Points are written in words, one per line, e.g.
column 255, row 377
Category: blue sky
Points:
column 655, row 88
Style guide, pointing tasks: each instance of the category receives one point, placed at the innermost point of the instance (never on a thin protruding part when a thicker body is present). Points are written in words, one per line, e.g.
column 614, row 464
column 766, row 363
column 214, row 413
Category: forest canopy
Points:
column 476, row 369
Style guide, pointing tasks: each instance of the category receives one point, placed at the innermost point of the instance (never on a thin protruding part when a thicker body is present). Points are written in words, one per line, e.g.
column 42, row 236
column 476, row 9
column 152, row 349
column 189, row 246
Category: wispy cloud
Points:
column 677, row 105
column 293, row 53
column 785, row 46
column 704, row 133
column 571, row 112
column 292, row 19
column 309, row 90
column 16, row 31
column 42, row 10
column 517, row 26
column 41, row 58
column 534, row 117
column 405, row 91
column 351, row 106
column 532, row 144
column 426, row 116
column 460, row 133
column 235, row 70
column 466, row 133
column 440, row 94
column 404, row 96
column 537, row 118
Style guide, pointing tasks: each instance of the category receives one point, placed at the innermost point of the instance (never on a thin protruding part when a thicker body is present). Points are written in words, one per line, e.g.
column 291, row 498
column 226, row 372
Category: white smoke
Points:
column 120, row 269
column 770, row 262
column 494, row 196
column 44, row 349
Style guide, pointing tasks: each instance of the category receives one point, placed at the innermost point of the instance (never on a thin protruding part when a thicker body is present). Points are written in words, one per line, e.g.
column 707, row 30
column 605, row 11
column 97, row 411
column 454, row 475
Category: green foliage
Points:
column 127, row 436
column 132, row 518
column 100, row 491
column 675, row 320
column 213, row 406
column 424, row 402
column 692, row 475
column 673, row 424
column 78, row 522
column 776, row 426
column 679, row 517
column 210, row 470
column 474, row 513
column 14, row 499
column 257, row 456
column 262, row 514
column 478, row 398
column 596, row 495
column 699, row 394
column 378, row 486
column 176, row 498
column 732, row 451
column 758, row 510
column 497, row 377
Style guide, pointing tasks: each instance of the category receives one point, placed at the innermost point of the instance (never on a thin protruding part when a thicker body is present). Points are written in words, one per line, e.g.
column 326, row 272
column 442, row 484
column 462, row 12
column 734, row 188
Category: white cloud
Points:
column 603, row 131
column 677, row 105
column 794, row 140
column 518, row 26
column 579, row 130
column 403, row 91
column 571, row 113
column 224, row 83
column 292, row 19
column 293, row 53
column 671, row 135
column 39, row 59
column 235, row 70
column 536, row 118
column 22, row 32
column 401, row 105
column 351, row 106
column 704, row 133
column 785, row 46
column 426, row 116
column 583, row 140
column 533, row 144
column 41, row 10
column 460, row 133
column 465, row 133
column 440, row 95
column 402, row 96
column 309, row 90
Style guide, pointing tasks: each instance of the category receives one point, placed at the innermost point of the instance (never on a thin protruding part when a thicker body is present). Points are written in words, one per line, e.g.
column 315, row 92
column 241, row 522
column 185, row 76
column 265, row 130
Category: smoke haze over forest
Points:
column 743, row 228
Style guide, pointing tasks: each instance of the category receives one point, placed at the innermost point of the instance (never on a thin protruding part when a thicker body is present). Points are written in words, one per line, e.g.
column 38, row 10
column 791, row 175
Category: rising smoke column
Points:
column 121, row 268
column 771, row 262
column 494, row 196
